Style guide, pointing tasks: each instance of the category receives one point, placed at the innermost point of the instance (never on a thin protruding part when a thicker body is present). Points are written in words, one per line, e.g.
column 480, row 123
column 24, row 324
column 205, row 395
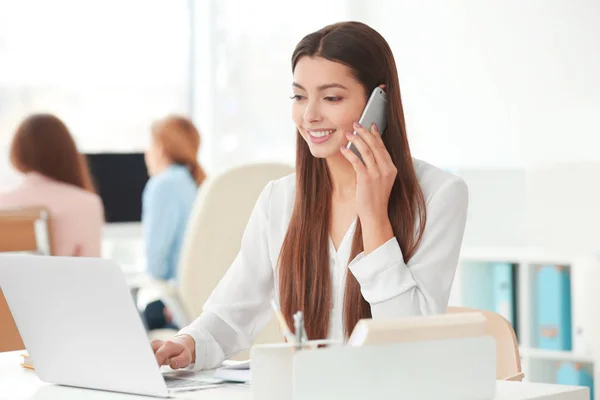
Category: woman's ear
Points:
column 382, row 86
column 160, row 150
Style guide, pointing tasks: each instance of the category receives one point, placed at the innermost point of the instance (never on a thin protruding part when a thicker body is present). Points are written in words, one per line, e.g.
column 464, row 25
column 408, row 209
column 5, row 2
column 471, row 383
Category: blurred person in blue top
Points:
column 167, row 201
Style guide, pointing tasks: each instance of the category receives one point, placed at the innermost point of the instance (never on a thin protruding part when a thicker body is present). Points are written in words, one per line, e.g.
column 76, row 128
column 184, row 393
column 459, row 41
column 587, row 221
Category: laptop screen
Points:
column 119, row 179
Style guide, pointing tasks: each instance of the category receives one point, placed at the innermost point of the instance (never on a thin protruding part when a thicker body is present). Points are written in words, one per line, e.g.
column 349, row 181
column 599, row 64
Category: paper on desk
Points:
column 234, row 375
column 233, row 364
column 234, row 371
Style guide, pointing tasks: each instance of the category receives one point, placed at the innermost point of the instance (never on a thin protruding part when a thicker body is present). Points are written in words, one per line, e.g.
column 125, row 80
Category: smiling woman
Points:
column 340, row 240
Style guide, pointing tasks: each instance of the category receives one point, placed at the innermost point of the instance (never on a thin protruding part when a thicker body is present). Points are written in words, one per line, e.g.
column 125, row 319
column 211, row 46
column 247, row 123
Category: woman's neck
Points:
column 161, row 167
column 343, row 176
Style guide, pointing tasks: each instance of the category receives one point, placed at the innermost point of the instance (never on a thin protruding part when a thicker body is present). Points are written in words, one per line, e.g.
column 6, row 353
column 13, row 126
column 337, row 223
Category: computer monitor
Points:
column 120, row 179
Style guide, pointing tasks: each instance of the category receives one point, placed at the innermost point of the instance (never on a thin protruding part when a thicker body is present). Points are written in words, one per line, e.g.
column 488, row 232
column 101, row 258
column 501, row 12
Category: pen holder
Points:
column 272, row 367
column 462, row 369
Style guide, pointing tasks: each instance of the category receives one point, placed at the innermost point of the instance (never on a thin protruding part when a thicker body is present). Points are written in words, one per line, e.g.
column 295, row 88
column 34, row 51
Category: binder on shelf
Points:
column 573, row 374
column 553, row 307
column 491, row 287
column 504, row 291
column 477, row 286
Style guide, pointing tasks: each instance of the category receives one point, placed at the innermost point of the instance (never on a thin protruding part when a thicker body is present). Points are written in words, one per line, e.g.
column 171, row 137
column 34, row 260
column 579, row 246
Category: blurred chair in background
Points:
column 21, row 230
column 213, row 239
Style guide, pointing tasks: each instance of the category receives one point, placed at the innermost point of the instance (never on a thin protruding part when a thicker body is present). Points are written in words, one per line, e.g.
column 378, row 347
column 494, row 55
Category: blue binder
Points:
column 553, row 308
column 504, row 291
column 572, row 374
column 477, row 286
column 490, row 286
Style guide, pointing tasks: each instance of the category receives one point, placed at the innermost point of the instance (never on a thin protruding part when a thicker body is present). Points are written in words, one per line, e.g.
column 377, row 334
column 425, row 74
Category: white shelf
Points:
column 540, row 365
column 556, row 355
column 521, row 255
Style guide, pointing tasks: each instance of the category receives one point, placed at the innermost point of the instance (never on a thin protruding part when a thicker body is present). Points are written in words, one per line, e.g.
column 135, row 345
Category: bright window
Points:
column 107, row 68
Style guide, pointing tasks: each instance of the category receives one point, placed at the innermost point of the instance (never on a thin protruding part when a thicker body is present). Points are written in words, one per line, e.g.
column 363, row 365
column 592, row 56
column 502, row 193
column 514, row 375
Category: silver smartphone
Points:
column 375, row 112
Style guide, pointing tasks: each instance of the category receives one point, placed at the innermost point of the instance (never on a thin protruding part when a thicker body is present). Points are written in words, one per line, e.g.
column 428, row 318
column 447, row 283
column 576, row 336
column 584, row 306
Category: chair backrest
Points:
column 508, row 359
column 25, row 230
column 215, row 230
column 21, row 230
column 10, row 339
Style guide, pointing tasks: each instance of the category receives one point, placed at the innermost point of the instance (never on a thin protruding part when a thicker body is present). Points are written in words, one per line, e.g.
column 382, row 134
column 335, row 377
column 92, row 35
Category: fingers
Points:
column 375, row 142
column 161, row 356
column 359, row 167
column 372, row 136
column 167, row 351
column 382, row 152
column 171, row 353
column 156, row 344
column 364, row 150
column 180, row 361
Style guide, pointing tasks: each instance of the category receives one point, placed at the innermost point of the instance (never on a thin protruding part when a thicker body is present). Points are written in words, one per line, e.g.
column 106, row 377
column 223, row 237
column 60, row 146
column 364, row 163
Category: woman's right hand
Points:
column 178, row 352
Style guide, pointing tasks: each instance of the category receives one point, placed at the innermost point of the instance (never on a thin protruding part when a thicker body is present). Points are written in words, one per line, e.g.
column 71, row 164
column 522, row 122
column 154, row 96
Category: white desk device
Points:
column 422, row 358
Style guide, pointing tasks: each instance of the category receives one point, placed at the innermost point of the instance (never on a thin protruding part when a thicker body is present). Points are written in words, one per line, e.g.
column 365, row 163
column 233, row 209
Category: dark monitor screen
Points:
column 119, row 179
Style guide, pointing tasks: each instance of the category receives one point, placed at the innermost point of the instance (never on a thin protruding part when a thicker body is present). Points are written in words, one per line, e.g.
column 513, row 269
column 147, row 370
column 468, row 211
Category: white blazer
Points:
column 239, row 307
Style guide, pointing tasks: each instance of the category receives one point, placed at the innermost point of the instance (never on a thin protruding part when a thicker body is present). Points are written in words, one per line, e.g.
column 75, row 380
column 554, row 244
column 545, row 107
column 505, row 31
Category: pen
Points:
column 303, row 335
column 298, row 328
column 283, row 325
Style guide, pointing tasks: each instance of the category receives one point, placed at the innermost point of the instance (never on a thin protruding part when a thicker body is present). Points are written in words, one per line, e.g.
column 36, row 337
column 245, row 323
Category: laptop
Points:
column 79, row 324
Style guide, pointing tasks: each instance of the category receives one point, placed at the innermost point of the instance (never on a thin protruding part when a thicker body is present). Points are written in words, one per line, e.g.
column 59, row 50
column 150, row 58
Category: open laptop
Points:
column 80, row 326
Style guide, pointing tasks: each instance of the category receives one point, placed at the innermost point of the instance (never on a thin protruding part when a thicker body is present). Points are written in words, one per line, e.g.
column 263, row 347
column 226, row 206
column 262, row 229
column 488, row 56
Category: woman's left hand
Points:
column 374, row 178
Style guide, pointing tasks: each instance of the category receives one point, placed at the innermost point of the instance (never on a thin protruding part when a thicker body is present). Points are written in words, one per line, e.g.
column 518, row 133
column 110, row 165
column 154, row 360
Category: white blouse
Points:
column 239, row 307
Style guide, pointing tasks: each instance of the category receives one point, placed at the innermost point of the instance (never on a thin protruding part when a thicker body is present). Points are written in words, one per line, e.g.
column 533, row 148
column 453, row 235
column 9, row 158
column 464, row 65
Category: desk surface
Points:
column 23, row 384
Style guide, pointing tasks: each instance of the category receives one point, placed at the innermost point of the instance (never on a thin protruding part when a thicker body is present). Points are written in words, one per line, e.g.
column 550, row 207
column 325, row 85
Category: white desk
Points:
column 23, row 384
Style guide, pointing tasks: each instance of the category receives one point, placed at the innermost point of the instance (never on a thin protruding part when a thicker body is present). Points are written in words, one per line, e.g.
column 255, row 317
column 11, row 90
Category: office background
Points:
column 504, row 93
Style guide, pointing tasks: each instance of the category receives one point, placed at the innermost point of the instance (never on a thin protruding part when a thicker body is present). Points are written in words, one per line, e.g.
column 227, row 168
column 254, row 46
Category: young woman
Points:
column 56, row 177
column 167, row 201
column 339, row 240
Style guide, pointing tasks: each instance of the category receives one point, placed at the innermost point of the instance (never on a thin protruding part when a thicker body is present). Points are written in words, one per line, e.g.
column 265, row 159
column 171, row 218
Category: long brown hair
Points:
column 181, row 141
column 304, row 271
column 43, row 143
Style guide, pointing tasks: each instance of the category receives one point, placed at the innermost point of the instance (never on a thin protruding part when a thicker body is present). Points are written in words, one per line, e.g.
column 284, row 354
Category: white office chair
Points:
column 213, row 239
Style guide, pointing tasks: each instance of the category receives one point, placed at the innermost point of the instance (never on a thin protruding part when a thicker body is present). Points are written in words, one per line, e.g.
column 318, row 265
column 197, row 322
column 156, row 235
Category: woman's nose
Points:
column 312, row 112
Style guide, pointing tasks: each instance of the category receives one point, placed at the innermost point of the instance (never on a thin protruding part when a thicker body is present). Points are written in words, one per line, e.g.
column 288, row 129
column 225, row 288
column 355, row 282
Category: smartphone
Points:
column 375, row 112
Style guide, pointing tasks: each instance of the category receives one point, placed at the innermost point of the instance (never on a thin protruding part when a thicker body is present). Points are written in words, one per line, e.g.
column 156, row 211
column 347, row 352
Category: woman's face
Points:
column 327, row 100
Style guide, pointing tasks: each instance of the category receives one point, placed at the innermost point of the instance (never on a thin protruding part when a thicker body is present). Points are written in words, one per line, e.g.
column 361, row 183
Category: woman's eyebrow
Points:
column 332, row 85
column 322, row 87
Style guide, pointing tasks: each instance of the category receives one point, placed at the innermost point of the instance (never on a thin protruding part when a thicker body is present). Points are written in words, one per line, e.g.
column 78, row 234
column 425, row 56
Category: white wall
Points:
column 508, row 94
column 106, row 68
column 243, row 76
column 497, row 83
column 563, row 206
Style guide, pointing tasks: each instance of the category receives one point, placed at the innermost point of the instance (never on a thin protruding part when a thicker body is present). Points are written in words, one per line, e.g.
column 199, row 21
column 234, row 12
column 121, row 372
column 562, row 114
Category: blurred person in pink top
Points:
column 56, row 176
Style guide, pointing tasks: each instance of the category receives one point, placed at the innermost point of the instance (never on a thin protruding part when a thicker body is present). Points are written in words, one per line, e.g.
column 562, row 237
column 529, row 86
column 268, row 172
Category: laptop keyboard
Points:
column 179, row 383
